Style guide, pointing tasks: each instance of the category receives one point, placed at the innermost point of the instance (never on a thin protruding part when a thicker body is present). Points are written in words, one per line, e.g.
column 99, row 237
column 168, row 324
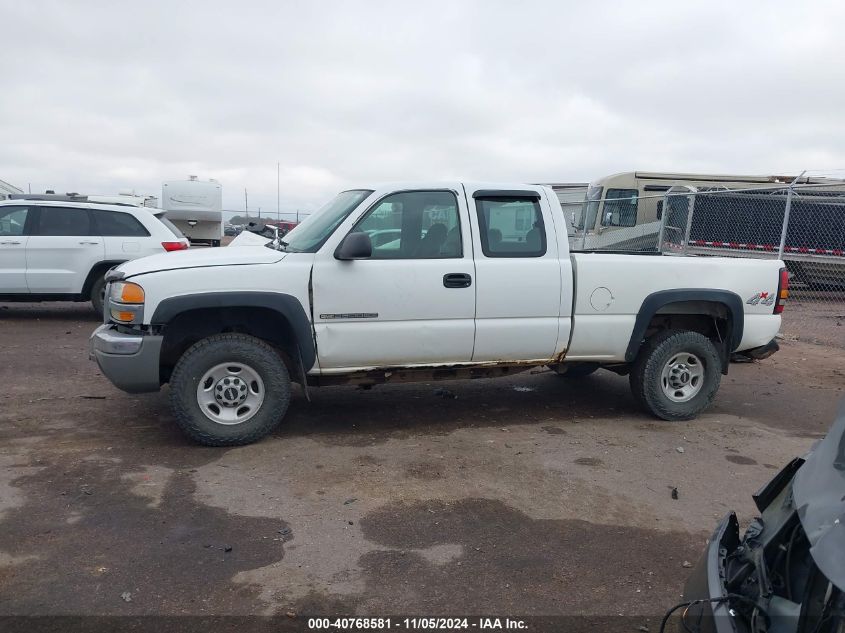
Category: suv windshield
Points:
column 309, row 236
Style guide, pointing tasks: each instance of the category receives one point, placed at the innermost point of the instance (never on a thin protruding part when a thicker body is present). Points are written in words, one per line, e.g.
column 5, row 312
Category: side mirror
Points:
column 608, row 218
column 354, row 246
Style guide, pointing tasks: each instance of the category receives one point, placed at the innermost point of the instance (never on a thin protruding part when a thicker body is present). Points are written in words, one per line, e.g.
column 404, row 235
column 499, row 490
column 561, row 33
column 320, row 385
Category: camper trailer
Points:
column 196, row 207
column 623, row 211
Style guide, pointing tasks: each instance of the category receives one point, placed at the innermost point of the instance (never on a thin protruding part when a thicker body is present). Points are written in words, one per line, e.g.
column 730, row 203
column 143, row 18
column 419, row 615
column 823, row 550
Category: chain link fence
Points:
column 802, row 224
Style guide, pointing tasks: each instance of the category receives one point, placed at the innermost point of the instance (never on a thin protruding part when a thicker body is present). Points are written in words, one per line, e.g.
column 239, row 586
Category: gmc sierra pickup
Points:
column 425, row 281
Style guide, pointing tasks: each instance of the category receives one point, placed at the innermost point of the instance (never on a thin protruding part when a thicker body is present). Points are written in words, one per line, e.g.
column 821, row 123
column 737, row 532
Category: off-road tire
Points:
column 645, row 376
column 96, row 295
column 221, row 348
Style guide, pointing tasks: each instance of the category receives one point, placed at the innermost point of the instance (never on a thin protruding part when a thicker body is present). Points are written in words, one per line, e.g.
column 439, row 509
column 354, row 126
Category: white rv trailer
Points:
column 196, row 207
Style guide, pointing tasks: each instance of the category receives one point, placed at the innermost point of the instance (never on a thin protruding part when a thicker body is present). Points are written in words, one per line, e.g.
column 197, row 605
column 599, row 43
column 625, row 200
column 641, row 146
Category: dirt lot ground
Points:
column 529, row 495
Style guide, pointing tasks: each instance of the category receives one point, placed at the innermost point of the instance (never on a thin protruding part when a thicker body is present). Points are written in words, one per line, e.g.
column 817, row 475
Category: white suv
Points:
column 59, row 249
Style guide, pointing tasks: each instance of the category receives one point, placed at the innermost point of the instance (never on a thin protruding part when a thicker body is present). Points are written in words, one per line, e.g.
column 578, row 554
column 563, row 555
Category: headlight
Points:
column 126, row 303
column 126, row 292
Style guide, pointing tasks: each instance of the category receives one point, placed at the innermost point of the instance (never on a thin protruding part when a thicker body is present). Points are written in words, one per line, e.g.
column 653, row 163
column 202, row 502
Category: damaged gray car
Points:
column 786, row 574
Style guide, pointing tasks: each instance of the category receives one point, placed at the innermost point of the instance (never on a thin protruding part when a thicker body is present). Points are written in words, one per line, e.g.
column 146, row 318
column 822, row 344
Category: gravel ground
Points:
column 528, row 495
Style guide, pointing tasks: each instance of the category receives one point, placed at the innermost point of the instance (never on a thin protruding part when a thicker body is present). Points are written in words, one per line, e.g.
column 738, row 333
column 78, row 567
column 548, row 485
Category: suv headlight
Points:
column 126, row 302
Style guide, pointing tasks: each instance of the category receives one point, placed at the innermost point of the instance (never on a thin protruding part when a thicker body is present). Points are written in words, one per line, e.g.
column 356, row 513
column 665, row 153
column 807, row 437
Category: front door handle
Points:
column 91, row 243
column 457, row 280
column 9, row 242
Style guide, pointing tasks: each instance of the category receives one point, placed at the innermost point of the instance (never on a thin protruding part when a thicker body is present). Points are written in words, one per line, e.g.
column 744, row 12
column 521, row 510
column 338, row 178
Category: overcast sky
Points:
column 102, row 96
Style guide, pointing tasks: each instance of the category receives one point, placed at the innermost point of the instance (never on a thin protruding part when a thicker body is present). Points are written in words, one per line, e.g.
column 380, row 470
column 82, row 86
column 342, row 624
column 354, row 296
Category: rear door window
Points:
column 63, row 221
column 112, row 223
column 511, row 227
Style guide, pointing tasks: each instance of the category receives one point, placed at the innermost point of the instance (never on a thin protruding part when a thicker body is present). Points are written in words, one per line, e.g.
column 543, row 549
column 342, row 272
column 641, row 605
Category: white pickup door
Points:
column 61, row 250
column 473, row 276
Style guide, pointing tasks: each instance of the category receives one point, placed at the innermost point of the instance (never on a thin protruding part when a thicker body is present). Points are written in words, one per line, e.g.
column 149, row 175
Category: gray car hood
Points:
column 819, row 494
column 201, row 257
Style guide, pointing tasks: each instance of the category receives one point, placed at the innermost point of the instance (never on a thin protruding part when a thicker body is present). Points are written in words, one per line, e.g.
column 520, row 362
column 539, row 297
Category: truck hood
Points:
column 819, row 493
column 201, row 258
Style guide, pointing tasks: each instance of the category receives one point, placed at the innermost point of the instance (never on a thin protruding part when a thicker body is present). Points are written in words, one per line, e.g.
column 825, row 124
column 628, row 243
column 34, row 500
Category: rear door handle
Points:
column 91, row 243
column 9, row 242
column 457, row 280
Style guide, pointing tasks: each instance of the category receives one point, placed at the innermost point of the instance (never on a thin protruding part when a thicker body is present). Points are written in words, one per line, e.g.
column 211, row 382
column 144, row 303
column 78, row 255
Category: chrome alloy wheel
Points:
column 230, row 393
column 682, row 377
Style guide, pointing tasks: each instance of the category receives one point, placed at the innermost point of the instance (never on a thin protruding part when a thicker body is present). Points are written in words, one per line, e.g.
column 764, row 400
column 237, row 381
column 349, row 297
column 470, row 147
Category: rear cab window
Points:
column 510, row 226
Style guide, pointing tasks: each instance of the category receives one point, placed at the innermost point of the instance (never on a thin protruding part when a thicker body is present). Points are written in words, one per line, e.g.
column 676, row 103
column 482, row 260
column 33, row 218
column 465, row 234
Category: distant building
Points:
column 6, row 189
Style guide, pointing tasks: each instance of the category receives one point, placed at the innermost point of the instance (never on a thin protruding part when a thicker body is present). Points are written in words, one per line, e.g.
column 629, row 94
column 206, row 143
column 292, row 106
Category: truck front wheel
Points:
column 676, row 374
column 229, row 390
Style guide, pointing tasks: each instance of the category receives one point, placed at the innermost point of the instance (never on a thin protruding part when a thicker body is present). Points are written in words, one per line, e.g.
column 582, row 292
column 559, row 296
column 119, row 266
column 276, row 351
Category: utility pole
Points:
column 278, row 207
column 259, row 213
column 246, row 203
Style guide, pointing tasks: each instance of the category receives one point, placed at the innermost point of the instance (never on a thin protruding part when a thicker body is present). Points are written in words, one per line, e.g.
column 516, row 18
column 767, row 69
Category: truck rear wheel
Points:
column 676, row 374
column 229, row 390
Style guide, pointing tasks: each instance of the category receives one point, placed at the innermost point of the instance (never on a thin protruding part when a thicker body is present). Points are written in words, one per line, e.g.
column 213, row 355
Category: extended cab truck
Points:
column 479, row 282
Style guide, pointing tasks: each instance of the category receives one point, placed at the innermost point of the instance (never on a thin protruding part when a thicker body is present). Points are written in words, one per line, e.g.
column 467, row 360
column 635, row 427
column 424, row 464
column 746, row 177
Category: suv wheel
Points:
column 229, row 390
column 676, row 374
column 98, row 293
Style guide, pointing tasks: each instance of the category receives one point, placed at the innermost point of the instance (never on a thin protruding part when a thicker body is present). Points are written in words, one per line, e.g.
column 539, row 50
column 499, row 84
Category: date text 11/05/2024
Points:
column 385, row 624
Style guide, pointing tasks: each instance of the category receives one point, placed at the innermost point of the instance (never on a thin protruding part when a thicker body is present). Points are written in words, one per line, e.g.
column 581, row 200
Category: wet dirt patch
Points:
column 423, row 470
column 512, row 563
column 84, row 537
column 589, row 461
column 554, row 430
column 741, row 459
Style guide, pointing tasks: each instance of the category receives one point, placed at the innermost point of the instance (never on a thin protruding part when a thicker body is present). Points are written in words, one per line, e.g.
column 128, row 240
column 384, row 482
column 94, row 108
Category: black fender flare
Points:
column 653, row 302
column 287, row 306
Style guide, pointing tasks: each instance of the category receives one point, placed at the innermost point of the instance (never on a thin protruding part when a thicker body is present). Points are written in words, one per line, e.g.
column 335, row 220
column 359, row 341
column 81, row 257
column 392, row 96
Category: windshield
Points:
column 591, row 208
column 312, row 233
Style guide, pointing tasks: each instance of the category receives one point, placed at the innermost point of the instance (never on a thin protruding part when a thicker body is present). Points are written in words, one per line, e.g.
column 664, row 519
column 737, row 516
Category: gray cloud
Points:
column 101, row 96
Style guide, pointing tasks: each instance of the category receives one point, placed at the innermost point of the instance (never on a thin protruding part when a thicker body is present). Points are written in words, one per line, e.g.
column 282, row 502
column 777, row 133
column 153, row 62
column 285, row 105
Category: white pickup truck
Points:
column 425, row 281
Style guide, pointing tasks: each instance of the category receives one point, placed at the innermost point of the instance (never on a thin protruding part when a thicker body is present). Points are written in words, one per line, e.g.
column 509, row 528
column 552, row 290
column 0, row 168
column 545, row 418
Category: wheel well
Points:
column 191, row 326
column 96, row 270
column 710, row 318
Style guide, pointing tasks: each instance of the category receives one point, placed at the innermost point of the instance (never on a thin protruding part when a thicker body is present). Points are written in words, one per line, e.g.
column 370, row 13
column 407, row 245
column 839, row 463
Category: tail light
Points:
column 783, row 291
column 174, row 246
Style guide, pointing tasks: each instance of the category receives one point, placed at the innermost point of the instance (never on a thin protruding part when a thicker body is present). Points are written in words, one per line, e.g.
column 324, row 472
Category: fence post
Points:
column 584, row 234
column 786, row 215
column 663, row 222
column 690, row 210
column 785, row 222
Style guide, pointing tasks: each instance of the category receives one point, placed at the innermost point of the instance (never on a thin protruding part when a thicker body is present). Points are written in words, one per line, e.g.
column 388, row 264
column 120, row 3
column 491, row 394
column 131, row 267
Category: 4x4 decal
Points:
column 763, row 298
